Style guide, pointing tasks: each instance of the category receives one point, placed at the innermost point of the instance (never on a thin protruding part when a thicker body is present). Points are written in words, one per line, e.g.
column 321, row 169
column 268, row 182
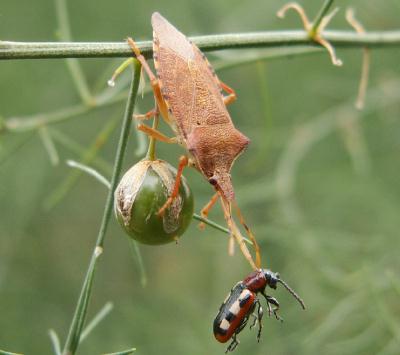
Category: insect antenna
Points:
column 294, row 294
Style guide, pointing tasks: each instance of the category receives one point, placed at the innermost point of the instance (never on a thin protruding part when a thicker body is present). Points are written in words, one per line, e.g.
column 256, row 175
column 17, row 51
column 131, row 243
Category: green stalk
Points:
column 37, row 50
column 73, row 65
column 151, row 152
column 321, row 14
column 79, row 318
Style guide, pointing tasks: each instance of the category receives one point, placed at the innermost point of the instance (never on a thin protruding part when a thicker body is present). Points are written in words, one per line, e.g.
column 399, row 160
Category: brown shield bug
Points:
column 188, row 95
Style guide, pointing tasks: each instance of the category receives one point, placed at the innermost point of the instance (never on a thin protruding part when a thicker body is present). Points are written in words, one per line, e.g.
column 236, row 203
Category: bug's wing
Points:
column 188, row 84
column 171, row 38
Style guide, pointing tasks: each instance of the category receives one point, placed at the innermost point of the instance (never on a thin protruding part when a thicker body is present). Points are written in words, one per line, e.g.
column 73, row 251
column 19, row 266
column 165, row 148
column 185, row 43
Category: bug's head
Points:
column 214, row 148
column 223, row 184
column 273, row 279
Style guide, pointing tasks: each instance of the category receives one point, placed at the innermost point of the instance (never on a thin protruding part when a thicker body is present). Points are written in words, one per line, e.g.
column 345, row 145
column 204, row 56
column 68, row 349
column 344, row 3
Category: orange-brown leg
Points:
column 183, row 162
column 235, row 233
column 231, row 93
column 147, row 115
column 207, row 208
column 153, row 79
column 250, row 234
column 156, row 134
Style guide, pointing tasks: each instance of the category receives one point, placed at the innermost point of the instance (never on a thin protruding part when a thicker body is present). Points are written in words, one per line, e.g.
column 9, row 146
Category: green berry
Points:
column 141, row 193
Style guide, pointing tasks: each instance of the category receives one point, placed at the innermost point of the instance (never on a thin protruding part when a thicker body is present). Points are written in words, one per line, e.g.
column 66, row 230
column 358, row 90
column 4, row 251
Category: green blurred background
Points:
column 319, row 185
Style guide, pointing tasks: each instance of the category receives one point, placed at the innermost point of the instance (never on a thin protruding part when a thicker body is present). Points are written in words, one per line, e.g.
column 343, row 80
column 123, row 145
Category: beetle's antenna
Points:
column 294, row 294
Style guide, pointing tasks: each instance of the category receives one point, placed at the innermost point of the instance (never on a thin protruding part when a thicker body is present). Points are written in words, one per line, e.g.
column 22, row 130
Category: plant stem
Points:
column 324, row 9
column 79, row 318
column 151, row 152
column 216, row 226
column 74, row 67
column 37, row 50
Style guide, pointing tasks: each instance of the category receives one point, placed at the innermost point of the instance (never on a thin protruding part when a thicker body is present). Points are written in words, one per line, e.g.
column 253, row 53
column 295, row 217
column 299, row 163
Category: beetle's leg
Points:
column 231, row 93
column 156, row 134
column 147, row 115
column 234, row 343
column 206, row 209
column 255, row 318
column 269, row 309
column 183, row 162
column 274, row 301
column 153, row 79
column 259, row 316
column 314, row 32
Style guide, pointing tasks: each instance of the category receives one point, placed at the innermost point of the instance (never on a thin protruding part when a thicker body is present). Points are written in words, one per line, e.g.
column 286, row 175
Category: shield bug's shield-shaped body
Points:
column 189, row 97
column 193, row 94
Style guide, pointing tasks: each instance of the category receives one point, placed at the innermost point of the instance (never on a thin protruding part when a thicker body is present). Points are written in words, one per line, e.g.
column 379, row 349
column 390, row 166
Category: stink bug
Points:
column 188, row 94
column 242, row 302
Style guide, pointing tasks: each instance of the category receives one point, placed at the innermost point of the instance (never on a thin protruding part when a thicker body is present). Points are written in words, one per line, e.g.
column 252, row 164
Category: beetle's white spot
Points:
column 244, row 294
column 224, row 324
column 235, row 308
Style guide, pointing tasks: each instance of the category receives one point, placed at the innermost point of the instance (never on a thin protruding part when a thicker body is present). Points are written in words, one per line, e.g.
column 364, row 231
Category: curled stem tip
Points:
column 315, row 29
column 362, row 88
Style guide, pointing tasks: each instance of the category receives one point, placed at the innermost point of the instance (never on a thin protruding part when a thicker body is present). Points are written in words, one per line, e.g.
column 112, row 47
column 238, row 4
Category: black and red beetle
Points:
column 241, row 303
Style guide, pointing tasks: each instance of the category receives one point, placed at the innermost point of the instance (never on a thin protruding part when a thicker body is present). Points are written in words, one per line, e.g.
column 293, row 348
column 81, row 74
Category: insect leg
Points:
column 250, row 234
column 231, row 93
column 155, row 134
column 260, row 314
column 256, row 302
column 142, row 60
column 273, row 301
column 153, row 79
column 147, row 115
column 183, row 162
column 206, row 209
column 258, row 318
column 232, row 346
column 235, row 233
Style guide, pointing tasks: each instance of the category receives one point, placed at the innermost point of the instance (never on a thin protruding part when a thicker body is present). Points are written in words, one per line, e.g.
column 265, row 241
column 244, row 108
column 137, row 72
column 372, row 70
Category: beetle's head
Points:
column 273, row 279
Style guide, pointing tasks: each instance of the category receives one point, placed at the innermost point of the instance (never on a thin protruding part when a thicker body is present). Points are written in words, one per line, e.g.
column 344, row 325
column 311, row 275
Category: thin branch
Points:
column 104, row 311
column 37, row 50
column 110, row 96
column 90, row 171
column 55, row 341
column 49, row 145
column 73, row 65
column 321, row 14
column 79, row 318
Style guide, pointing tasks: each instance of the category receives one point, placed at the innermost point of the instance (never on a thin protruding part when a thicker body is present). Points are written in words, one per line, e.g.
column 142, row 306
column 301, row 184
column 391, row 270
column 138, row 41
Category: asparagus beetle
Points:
column 242, row 302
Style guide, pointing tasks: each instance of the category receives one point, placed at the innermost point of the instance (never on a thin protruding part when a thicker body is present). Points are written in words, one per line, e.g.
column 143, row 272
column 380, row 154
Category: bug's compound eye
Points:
column 213, row 181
